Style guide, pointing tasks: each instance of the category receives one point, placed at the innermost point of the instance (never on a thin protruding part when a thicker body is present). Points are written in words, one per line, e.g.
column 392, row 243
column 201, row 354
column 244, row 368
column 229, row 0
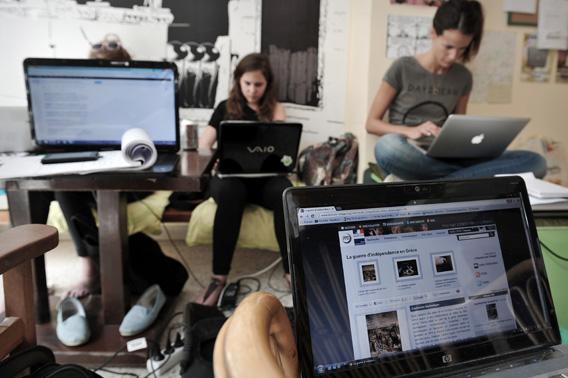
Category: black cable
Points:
column 109, row 360
column 553, row 253
column 171, row 241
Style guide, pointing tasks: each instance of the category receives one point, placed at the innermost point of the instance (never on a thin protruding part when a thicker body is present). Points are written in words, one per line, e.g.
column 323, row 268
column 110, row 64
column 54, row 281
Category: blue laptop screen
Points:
column 81, row 105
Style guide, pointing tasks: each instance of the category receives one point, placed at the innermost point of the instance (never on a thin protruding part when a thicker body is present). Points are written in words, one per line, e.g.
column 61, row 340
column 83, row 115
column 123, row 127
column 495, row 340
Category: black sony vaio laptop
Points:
column 87, row 104
column 257, row 149
column 420, row 279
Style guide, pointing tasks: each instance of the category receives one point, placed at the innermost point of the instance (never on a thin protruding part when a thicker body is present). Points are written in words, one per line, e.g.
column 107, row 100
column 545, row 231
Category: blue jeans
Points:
column 395, row 155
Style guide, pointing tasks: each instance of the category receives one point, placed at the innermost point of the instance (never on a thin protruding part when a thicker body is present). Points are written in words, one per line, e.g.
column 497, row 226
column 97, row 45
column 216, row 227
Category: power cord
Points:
column 552, row 252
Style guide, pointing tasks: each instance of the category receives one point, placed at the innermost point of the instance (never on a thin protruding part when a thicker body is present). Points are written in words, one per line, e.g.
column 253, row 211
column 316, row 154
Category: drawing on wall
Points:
column 493, row 68
column 561, row 67
column 430, row 3
column 537, row 63
column 194, row 47
column 407, row 35
column 293, row 48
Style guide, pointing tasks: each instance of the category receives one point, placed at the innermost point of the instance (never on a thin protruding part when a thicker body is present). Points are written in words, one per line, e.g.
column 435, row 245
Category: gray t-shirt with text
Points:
column 416, row 85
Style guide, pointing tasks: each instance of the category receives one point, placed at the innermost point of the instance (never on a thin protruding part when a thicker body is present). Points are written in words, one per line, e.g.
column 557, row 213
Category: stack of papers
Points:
column 30, row 166
column 542, row 192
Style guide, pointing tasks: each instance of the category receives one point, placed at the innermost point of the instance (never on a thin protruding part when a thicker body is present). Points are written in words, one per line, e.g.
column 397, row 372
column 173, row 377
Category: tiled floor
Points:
column 62, row 273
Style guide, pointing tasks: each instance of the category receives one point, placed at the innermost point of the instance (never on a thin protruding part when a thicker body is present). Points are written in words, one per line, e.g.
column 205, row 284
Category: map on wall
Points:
column 407, row 35
column 493, row 68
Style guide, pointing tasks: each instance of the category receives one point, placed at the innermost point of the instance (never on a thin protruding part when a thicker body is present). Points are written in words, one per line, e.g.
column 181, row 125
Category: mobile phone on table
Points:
column 69, row 157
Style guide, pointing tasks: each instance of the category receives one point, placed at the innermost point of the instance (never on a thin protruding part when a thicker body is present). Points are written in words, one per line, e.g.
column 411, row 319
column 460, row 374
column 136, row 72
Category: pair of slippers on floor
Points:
column 73, row 327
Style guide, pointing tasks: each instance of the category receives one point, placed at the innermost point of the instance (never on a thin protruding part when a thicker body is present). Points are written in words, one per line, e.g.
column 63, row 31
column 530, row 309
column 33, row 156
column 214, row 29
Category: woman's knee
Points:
column 227, row 190
column 536, row 162
column 387, row 148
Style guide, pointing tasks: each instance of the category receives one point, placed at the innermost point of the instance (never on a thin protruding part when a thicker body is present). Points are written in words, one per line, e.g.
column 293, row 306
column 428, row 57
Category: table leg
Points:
column 113, row 242
column 20, row 203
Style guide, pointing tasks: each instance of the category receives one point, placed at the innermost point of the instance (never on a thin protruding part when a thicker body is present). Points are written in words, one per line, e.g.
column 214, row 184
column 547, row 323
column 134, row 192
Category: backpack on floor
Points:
column 331, row 162
column 41, row 362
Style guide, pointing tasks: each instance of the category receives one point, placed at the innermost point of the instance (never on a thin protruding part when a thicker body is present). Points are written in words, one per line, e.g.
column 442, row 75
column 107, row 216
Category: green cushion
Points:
column 556, row 238
column 143, row 216
column 257, row 227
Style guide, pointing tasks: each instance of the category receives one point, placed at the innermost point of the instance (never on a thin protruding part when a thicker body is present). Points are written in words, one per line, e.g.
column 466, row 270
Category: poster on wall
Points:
column 493, row 68
column 536, row 63
column 407, row 35
column 430, row 3
column 561, row 67
column 293, row 49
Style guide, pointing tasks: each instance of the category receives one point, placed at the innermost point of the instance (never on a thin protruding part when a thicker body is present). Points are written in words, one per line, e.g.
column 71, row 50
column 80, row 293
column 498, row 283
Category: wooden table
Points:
column 113, row 238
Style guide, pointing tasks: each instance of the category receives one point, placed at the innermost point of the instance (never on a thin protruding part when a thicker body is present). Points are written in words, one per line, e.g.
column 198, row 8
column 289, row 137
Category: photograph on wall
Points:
column 429, row 3
column 537, row 63
column 293, row 48
column 383, row 332
column 194, row 46
column 561, row 66
column 369, row 273
column 408, row 35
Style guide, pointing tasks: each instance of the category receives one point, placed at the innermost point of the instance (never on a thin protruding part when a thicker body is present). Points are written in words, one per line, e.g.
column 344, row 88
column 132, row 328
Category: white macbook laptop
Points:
column 420, row 279
column 475, row 137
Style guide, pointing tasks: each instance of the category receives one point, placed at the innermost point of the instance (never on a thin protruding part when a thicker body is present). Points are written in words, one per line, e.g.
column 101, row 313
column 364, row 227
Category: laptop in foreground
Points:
column 417, row 279
column 475, row 137
column 87, row 104
column 257, row 149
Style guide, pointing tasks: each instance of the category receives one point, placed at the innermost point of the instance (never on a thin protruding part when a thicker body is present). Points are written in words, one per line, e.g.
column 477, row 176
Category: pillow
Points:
column 143, row 216
column 257, row 227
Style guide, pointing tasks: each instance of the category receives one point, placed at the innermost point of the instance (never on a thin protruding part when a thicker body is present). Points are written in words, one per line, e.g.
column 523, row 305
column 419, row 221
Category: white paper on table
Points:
column 545, row 201
column 520, row 6
column 542, row 189
column 553, row 24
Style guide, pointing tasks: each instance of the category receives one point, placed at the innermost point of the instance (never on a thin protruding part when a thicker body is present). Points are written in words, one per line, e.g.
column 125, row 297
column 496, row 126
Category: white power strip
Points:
column 170, row 360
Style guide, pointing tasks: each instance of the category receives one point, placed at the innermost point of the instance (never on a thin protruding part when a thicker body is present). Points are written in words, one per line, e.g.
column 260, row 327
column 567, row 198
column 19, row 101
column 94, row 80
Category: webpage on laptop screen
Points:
column 96, row 105
column 413, row 276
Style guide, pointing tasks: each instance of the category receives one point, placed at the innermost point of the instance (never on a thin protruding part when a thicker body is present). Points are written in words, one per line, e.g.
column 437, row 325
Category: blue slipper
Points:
column 144, row 312
column 72, row 326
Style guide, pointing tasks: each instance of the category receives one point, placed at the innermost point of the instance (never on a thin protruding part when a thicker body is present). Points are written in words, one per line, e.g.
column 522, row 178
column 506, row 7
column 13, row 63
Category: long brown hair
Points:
column 236, row 102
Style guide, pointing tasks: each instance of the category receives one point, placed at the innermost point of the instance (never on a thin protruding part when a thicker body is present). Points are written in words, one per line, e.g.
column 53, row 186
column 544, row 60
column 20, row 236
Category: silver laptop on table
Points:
column 475, row 137
column 420, row 279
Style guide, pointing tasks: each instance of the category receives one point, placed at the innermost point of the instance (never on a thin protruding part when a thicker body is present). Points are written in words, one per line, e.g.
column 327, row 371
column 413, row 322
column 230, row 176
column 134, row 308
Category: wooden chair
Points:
column 257, row 340
column 18, row 246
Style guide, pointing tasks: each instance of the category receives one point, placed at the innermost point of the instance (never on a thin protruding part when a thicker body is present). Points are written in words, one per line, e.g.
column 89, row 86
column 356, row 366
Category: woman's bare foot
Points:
column 90, row 280
column 210, row 294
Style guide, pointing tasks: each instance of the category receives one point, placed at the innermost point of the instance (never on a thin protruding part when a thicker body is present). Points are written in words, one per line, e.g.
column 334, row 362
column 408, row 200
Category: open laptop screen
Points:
column 415, row 277
column 78, row 103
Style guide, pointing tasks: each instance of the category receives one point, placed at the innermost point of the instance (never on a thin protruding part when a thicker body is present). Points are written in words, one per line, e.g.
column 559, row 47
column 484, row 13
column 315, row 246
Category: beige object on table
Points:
column 257, row 340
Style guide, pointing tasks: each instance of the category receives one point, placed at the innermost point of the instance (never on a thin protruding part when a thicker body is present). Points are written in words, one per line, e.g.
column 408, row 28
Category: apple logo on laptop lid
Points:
column 477, row 139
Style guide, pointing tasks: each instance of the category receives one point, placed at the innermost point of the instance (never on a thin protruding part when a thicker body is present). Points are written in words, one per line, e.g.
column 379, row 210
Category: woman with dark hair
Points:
column 252, row 98
column 419, row 92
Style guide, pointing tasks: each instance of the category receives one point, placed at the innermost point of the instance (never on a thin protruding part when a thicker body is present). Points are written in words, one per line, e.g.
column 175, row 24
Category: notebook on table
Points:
column 87, row 104
column 475, row 137
column 420, row 279
column 257, row 149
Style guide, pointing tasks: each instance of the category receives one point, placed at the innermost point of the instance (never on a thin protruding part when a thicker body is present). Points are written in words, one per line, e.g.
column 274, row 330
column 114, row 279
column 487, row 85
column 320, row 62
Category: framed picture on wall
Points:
column 523, row 19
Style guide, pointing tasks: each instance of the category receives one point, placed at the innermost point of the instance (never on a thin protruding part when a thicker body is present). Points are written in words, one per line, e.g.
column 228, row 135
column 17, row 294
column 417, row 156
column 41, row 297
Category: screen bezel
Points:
column 364, row 196
column 55, row 62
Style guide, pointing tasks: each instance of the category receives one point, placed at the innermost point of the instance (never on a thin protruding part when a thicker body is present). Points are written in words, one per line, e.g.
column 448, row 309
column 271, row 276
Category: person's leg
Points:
column 395, row 155
column 77, row 210
column 516, row 161
column 270, row 197
column 230, row 194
